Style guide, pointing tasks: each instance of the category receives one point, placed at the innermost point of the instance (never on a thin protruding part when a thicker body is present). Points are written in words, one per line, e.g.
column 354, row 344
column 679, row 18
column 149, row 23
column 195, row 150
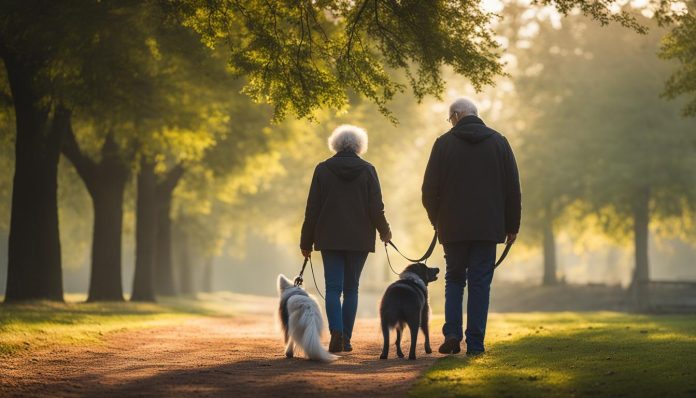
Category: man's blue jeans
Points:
column 472, row 263
column 342, row 269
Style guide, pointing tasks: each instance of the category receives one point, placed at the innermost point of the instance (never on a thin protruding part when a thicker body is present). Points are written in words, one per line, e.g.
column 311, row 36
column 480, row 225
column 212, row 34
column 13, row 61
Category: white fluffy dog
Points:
column 301, row 321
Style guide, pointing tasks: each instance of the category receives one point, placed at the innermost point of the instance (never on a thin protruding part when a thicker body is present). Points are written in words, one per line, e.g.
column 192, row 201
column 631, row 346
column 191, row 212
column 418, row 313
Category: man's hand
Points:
column 511, row 238
column 385, row 237
column 306, row 253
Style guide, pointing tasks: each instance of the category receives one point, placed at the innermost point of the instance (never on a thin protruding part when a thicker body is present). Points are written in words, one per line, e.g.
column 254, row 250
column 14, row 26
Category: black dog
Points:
column 405, row 302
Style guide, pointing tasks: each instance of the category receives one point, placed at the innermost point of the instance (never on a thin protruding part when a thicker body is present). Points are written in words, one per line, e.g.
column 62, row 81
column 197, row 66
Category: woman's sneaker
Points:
column 346, row 344
column 336, row 343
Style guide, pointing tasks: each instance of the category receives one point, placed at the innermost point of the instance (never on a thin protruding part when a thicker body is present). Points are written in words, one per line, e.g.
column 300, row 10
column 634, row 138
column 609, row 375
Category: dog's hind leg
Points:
column 399, row 329
column 290, row 349
column 413, row 326
column 426, row 329
column 385, row 347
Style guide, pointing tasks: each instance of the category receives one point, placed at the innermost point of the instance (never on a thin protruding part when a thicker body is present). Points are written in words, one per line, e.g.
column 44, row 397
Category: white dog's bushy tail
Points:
column 304, row 327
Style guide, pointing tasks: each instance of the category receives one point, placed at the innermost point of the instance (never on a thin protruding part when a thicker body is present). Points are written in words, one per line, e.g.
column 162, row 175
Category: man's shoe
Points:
column 346, row 344
column 336, row 343
column 450, row 346
column 474, row 353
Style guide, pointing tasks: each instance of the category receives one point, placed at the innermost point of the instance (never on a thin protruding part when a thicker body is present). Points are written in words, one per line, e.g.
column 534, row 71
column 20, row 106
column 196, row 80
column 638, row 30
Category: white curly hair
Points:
column 348, row 138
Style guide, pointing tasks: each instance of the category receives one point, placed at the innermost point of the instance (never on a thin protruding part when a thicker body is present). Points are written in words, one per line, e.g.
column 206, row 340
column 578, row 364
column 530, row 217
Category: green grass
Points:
column 26, row 326
column 573, row 354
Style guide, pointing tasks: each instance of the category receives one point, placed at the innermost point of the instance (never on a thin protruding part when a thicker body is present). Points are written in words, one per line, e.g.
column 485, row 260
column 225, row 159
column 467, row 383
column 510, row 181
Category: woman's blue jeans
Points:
column 342, row 269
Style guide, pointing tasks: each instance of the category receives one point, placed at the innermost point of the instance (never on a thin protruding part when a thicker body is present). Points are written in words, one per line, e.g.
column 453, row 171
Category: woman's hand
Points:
column 306, row 253
column 385, row 237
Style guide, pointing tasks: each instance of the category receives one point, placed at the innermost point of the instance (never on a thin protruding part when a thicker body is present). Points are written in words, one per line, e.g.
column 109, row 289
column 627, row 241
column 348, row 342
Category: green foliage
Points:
column 572, row 354
column 602, row 11
column 302, row 56
column 597, row 133
column 680, row 45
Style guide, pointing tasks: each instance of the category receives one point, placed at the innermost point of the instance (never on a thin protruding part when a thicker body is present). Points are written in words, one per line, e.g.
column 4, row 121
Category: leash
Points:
column 424, row 258
column 389, row 260
column 299, row 280
column 508, row 245
column 429, row 252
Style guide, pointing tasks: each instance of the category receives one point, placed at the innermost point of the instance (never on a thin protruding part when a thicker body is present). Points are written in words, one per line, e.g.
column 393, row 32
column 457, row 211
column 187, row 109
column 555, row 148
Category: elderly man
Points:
column 471, row 192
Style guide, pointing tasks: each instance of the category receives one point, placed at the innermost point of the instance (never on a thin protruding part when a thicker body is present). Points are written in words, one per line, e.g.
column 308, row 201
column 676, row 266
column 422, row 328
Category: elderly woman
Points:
column 344, row 208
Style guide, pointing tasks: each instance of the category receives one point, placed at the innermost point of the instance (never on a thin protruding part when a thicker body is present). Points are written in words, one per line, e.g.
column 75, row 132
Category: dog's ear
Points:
column 284, row 283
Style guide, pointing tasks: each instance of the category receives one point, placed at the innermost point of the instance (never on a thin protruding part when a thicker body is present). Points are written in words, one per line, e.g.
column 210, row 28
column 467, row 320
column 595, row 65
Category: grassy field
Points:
column 573, row 354
column 39, row 324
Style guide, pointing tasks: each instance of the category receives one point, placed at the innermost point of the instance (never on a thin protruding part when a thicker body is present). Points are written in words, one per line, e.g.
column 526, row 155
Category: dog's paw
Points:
column 289, row 355
column 411, row 357
column 400, row 354
column 428, row 350
column 383, row 356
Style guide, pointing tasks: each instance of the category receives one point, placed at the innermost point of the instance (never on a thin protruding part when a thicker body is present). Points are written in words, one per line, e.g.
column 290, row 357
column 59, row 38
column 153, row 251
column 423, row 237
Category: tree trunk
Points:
column 106, row 182
column 3, row 261
column 186, row 286
column 207, row 282
column 164, row 269
column 145, row 235
column 641, row 274
column 550, row 265
column 34, row 257
column 105, row 280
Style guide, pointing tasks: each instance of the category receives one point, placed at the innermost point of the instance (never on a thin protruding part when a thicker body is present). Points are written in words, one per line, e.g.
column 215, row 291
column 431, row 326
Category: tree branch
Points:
column 85, row 166
column 353, row 28
column 171, row 179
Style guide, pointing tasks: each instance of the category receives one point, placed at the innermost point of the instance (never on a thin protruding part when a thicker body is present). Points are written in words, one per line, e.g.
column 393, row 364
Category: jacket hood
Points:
column 346, row 165
column 472, row 129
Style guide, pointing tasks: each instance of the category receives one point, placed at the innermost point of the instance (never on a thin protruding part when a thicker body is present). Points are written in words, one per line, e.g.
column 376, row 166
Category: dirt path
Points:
column 233, row 357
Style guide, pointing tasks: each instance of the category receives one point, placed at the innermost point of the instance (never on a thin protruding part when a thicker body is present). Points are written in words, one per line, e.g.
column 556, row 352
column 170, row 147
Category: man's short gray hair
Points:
column 348, row 138
column 463, row 107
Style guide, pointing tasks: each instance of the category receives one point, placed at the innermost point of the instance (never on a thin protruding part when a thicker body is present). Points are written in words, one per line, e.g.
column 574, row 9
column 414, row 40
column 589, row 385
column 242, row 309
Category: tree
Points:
column 41, row 53
column 105, row 181
column 632, row 153
column 133, row 103
column 544, row 62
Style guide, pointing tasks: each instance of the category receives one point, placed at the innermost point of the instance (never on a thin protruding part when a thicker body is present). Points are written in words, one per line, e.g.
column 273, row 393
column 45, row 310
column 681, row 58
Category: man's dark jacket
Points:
column 344, row 206
column 471, row 188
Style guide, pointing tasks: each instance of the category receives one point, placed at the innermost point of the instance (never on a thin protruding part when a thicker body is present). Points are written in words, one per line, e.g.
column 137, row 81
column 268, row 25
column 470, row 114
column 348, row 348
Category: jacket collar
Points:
column 470, row 119
column 346, row 154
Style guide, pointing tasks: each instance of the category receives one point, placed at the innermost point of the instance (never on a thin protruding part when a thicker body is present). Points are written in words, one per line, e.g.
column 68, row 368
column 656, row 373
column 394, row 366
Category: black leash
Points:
column 424, row 258
column 508, row 245
column 299, row 280
column 388, row 260
column 429, row 252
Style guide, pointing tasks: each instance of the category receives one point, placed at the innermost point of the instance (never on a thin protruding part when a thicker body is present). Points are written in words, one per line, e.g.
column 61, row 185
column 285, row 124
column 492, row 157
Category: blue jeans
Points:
column 470, row 262
column 342, row 271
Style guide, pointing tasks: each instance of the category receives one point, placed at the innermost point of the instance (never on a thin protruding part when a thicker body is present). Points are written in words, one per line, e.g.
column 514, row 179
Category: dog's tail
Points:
column 305, row 326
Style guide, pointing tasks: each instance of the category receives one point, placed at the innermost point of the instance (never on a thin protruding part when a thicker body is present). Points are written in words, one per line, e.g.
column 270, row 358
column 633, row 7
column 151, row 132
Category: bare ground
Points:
column 212, row 356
